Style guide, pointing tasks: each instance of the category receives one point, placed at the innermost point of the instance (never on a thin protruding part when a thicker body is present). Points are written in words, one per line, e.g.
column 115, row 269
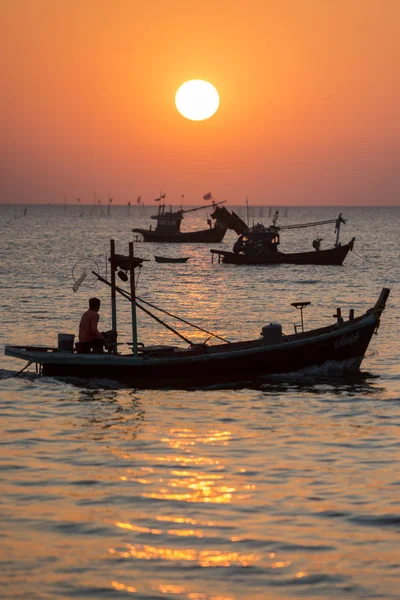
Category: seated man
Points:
column 90, row 337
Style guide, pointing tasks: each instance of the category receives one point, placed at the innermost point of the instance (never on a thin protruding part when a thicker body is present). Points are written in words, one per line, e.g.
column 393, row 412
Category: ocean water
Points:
column 287, row 491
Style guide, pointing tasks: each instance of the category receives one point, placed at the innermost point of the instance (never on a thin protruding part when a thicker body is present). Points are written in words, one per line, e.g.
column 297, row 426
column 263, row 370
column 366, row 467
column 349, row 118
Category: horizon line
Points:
column 133, row 205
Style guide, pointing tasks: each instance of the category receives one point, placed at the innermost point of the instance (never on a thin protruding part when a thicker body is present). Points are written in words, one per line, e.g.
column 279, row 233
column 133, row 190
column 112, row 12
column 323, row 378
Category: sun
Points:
column 197, row 100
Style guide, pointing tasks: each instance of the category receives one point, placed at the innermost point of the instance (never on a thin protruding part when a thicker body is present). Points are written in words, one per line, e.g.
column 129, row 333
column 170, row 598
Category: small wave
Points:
column 345, row 371
column 6, row 374
column 287, row 547
column 309, row 282
column 317, row 578
column 26, row 375
column 328, row 368
column 391, row 521
column 92, row 384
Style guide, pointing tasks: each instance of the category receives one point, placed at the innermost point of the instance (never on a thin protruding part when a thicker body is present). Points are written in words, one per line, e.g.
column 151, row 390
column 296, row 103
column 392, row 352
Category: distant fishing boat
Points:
column 201, row 365
column 258, row 245
column 168, row 228
column 171, row 259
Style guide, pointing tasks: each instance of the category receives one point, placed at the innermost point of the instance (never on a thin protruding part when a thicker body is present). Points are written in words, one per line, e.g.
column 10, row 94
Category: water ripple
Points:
column 284, row 490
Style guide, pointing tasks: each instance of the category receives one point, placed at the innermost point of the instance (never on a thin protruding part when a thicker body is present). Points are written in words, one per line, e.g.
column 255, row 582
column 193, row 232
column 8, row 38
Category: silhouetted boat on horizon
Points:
column 258, row 245
column 168, row 227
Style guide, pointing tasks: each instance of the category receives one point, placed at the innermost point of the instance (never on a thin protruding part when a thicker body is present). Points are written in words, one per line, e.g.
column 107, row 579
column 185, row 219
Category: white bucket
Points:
column 272, row 333
column 66, row 342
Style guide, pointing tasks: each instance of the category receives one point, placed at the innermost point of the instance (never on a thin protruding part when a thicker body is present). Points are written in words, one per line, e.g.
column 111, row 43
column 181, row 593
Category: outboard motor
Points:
column 272, row 333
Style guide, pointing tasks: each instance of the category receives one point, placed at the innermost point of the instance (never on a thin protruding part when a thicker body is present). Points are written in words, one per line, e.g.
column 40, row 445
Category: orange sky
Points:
column 309, row 101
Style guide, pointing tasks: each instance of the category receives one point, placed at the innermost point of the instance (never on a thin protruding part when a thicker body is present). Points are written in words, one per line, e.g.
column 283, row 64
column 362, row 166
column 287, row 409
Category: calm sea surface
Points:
column 287, row 491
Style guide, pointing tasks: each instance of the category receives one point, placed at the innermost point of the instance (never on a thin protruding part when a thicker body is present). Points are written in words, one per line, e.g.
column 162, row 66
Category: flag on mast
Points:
column 160, row 198
column 207, row 196
column 138, row 200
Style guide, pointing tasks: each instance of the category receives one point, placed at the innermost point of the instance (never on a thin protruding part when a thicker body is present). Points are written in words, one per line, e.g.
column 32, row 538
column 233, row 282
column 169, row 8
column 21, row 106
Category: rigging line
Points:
column 367, row 259
column 163, row 323
column 178, row 318
column 203, row 207
column 183, row 320
column 128, row 297
column 307, row 224
column 137, row 278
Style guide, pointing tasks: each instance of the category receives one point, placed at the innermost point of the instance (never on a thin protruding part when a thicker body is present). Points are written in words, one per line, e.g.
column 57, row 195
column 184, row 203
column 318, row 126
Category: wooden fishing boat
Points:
column 227, row 364
column 258, row 245
column 329, row 256
column 168, row 228
column 171, row 259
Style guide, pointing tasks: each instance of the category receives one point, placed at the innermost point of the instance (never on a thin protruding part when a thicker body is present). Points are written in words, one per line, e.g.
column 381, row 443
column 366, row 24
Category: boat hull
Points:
column 213, row 235
column 330, row 256
column 223, row 365
column 166, row 259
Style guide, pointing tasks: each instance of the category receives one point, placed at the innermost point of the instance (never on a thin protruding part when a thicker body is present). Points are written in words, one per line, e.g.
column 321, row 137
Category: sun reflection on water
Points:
column 121, row 587
column 171, row 519
column 186, row 437
column 203, row 558
column 199, row 533
column 187, row 475
column 192, row 470
column 171, row 589
column 138, row 528
column 186, row 485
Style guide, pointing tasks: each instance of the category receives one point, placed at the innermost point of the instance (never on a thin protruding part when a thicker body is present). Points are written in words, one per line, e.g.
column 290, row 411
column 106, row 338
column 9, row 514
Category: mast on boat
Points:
column 133, row 296
column 125, row 263
column 113, row 283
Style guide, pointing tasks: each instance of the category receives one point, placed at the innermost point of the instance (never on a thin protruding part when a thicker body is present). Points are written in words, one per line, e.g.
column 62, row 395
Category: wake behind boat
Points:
column 227, row 364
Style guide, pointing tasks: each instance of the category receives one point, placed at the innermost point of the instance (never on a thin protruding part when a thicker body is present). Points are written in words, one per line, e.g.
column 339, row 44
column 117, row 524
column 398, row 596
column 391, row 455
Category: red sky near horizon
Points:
column 309, row 101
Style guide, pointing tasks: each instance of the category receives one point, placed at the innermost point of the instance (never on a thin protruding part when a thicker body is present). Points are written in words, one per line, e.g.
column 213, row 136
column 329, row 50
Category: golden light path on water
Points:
column 198, row 486
column 285, row 491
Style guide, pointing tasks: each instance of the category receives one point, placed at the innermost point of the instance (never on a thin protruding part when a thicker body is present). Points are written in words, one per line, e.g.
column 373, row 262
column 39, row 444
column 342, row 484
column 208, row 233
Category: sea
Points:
column 289, row 489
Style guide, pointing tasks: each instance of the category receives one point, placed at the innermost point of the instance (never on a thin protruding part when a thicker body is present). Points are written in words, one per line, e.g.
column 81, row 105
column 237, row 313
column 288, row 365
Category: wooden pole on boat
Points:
column 113, row 283
column 133, row 297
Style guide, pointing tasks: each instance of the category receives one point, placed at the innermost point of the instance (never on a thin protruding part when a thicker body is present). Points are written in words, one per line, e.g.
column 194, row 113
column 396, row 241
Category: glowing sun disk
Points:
column 197, row 100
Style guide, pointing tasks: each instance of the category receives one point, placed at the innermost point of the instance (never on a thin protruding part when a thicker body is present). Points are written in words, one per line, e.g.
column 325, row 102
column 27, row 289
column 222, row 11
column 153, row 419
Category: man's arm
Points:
column 93, row 327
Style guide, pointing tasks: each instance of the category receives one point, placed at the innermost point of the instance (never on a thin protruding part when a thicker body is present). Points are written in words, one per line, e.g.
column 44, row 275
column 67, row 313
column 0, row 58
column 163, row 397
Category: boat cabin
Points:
column 258, row 239
column 168, row 222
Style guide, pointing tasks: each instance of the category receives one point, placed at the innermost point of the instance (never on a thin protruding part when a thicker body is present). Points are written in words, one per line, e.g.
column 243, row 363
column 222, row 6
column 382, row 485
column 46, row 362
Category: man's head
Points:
column 94, row 304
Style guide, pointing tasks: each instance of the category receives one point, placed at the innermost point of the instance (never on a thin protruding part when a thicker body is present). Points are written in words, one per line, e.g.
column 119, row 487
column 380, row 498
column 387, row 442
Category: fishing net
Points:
column 82, row 273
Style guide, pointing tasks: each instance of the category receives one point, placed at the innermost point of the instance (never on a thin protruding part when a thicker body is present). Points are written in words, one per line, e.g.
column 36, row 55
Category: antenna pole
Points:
column 133, row 296
column 247, row 211
column 113, row 283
